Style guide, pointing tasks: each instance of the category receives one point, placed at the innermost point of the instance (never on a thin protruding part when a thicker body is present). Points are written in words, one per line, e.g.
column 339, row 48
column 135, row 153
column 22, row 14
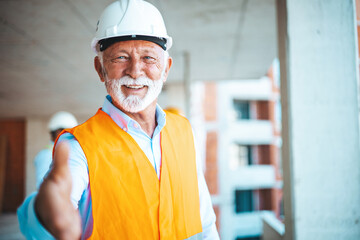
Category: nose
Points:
column 134, row 69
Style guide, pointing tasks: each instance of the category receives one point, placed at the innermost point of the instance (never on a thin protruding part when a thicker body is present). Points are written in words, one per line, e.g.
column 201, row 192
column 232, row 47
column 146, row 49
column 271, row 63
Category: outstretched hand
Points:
column 53, row 204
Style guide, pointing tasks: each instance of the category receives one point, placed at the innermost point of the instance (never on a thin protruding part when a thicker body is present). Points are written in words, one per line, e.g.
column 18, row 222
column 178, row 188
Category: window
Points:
column 245, row 156
column 240, row 156
column 242, row 109
column 244, row 201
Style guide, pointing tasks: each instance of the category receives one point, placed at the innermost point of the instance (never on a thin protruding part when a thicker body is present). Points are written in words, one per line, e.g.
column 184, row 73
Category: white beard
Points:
column 133, row 103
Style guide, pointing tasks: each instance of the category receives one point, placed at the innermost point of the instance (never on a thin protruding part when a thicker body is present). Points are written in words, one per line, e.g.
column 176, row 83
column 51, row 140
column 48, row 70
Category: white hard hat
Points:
column 62, row 120
column 132, row 19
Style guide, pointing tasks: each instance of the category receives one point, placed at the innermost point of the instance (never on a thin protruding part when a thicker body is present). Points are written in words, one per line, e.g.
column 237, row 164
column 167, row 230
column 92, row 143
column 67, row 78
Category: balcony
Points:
column 273, row 229
column 251, row 132
column 252, row 177
column 252, row 224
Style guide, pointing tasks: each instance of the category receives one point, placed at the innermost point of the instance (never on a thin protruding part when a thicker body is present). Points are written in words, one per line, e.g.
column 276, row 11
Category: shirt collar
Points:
column 127, row 123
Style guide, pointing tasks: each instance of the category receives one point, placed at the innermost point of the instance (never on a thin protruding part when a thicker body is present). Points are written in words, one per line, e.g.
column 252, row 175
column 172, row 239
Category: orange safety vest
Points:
column 128, row 200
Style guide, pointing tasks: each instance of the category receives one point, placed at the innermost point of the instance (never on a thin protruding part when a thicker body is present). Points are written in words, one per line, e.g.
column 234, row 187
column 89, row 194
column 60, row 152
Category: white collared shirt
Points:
column 81, row 196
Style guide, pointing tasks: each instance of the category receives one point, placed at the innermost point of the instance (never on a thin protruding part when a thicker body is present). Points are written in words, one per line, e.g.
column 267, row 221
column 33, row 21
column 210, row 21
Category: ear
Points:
column 168, row 66
column 99, row 68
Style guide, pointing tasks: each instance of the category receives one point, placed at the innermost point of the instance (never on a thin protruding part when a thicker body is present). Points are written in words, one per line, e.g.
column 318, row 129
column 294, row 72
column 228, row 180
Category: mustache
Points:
column 126, row 80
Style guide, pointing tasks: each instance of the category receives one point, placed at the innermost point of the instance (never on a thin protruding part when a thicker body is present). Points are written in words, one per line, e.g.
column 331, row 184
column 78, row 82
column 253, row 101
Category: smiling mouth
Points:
column 134, row 86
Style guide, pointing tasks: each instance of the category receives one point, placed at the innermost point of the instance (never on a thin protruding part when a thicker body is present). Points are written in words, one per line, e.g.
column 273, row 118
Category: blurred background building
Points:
column 243, row 168
column 269, row 166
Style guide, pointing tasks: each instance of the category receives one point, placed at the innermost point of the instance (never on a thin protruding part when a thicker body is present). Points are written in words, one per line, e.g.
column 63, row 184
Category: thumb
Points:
column 61, row 156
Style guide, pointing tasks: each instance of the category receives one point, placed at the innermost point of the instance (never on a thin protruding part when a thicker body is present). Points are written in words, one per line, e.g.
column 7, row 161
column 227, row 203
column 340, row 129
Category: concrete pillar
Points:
column 319, row 91
column 187, row 84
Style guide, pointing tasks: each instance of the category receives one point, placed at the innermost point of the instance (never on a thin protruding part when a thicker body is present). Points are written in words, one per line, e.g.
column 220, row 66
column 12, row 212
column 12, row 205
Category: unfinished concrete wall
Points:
column 319, row 92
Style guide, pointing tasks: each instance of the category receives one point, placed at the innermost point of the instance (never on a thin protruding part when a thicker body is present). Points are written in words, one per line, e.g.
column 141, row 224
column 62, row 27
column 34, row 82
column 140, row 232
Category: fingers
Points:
column 61, row 158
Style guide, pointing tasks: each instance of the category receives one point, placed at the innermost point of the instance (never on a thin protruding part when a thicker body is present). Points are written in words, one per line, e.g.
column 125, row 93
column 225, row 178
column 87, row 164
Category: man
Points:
column 58, row 122
column 130, row 171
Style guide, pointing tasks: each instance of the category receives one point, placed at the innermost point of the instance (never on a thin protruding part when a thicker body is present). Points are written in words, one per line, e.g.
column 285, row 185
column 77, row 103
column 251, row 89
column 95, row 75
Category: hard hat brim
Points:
column 166, row 47
column 107, row 42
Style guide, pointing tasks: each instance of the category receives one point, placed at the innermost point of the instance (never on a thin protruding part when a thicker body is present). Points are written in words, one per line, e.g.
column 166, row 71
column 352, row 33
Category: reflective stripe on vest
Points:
column 128, row 200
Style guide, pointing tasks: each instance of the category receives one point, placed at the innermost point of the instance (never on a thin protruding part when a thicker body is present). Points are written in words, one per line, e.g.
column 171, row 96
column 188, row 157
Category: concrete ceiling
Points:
column 46, row 63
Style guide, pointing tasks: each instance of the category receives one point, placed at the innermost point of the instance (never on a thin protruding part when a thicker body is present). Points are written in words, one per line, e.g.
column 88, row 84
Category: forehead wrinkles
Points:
column 132, row 50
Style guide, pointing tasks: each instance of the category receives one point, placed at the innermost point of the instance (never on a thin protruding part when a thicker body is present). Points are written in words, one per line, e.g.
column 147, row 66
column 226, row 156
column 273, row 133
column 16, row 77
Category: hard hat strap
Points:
column 107, row 42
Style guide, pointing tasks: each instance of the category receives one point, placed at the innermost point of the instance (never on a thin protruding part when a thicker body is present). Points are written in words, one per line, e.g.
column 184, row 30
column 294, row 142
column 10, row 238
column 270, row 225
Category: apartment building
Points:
column 242, row 121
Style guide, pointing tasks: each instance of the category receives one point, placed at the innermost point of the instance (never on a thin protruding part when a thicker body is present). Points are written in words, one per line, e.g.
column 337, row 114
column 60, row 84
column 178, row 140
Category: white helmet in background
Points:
column 131, row 19
column 62, row 120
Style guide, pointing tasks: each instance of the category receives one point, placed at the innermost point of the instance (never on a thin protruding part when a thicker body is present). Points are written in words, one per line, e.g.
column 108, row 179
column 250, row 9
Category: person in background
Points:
column 132, row 170
column 58, row 122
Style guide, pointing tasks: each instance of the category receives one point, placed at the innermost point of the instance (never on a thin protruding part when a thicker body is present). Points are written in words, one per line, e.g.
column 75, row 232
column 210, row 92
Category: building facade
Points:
column 243, row 168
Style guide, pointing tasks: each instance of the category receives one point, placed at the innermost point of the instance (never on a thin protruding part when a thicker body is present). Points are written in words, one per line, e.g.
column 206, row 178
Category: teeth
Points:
column 135, row 86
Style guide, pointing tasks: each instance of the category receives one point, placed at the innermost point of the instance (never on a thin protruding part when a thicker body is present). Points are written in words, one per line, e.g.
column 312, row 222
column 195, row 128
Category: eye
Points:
column 120, row 58
column 149, row 59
